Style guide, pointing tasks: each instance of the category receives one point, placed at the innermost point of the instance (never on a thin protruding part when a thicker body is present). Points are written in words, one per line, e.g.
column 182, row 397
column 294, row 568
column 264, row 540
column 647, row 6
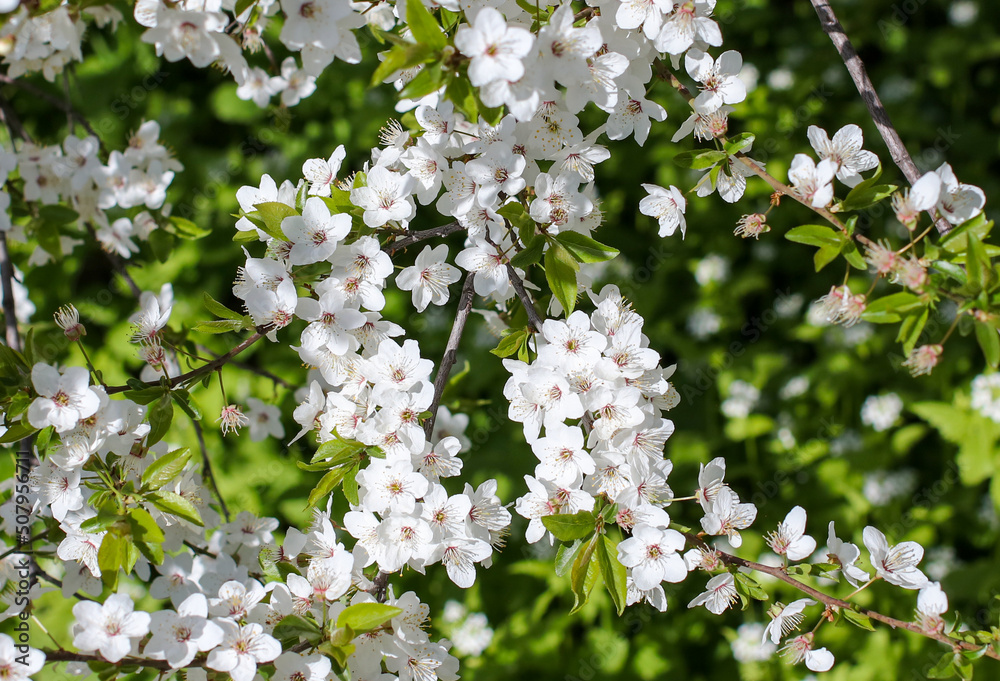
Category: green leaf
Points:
column 160, row 416
column 530, row 255
column 853, row 257
column 403, row 57
column 295, row 627
column 351, row 484
column 218, row 326
column 165, row 469
column 867, row 194
column 565, row 556
column 430, row 79
column 911, row 328
column 115, row 553
column 825, row 255
column 739, row 144
column 327, row 484
column 272, row 214
column 242, row 6
column 366, row 617
column 566, row 527
column 957, row 240
column 815, row 235
column 887, row 309
column 510, row 343
column 517, row 216
column 952, row 270
column 585, row 249
column 57, row 215
column 220, row 310
column 750, row 586
column 858, row 619
column 699, row 159
column 186, row 229
column 460, row 93
column 338, row 451
column 584, row 574
column 424, row 26
column 186, row 403
column 144, row 528
column 613, row 571
column 561, row 276
column 175, row 504
column 17, row 432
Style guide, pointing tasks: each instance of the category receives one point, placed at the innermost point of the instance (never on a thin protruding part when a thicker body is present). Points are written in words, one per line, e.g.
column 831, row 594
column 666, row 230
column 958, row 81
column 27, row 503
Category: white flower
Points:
column 719, row 79
column 719, row 594
column 265, row 420
column 881, row 411
column 496, row 49
column 293, row 666
column 296, row 84
column 845, row 151
column 631, row 116
column 958, row 202
column 932, row 602
column 688, row 23
column 320, row 173
column 259, row 87
column 986, row 395
column 18, row 665
column 429, row 277
column 922, row 196
column 109, row 628
column 316, row 233
column 242, row 649
column 785, row 618
column 667, row 206
column 727, row 516
column 812, row 181
column 386, row 197
column 845, row 554
column 63, row 399
column 801, row 648
column 896, row 564
column 179, row 636
column 652, row 555
column 790, row 540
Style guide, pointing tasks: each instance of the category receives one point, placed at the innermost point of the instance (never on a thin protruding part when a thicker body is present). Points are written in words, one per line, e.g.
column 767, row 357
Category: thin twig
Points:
column 65, row 106
column 9, row 307
column 207, row 468
column 11, row 120
column 900, row 156
column 534, row 318
column 666, row 74
column 252, row 369
column 206, row 368
column 380, row 586
column 68, row 656
column 451, row 349
column 423, row 235
column 780, row 573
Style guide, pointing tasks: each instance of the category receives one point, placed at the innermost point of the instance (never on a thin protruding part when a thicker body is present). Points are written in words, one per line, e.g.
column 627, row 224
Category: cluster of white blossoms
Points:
column 591, row 402
column 47, row 42
column 73, row 174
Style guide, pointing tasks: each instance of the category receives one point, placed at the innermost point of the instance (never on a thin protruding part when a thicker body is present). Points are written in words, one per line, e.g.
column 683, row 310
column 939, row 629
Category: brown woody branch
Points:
column 451, row 349
column 900, row 156
column 781, row 574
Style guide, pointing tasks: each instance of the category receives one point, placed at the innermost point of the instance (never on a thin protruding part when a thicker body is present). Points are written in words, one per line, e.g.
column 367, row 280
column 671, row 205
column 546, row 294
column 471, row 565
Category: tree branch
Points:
column 206, row 466
column 63, row 105
column 451, row 349
column 9, row 307
column 900, row 156
column 522, row 293
column 423, row 235
column 780, row 573
column 206, row 368
column 666, row 74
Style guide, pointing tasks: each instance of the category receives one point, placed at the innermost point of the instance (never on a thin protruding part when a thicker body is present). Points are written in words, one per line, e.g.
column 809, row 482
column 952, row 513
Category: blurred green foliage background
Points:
column 745, row 321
